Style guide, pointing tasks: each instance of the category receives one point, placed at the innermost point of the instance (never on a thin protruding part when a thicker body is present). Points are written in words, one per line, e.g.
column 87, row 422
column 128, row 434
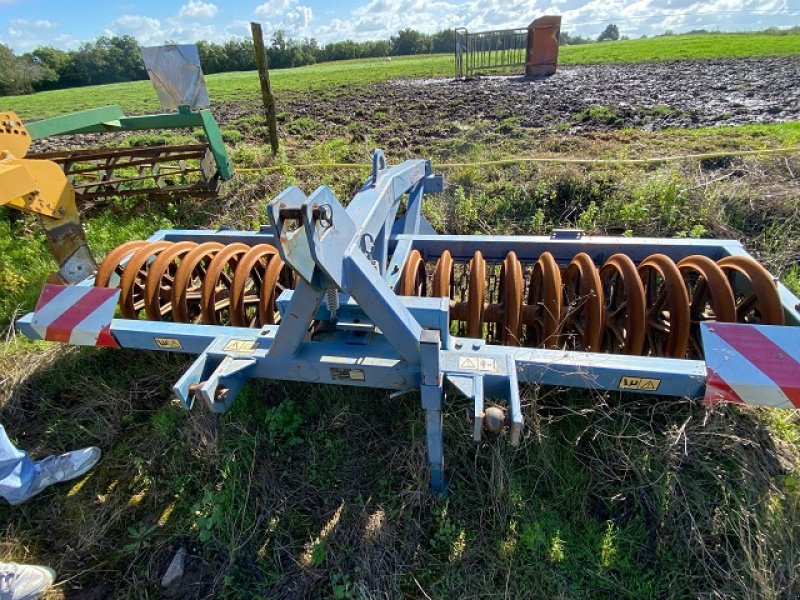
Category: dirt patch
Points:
column 579, row 98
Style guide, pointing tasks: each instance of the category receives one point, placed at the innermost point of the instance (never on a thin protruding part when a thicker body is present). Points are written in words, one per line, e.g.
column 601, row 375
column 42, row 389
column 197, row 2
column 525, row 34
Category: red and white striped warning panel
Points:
column 79, row 315
column 752, row 364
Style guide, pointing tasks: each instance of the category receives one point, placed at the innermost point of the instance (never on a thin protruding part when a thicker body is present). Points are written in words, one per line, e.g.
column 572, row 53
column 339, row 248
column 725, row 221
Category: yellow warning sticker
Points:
column 241, row 346
column 641, row 384
column 168, row 343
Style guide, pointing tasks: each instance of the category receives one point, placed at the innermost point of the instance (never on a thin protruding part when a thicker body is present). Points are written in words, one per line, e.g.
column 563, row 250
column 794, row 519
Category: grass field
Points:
column 303, row 491
column 137, row 97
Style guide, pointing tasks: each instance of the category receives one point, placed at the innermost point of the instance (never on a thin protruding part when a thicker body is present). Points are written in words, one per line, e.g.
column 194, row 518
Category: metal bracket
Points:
column 217, row 381
column 378, row 164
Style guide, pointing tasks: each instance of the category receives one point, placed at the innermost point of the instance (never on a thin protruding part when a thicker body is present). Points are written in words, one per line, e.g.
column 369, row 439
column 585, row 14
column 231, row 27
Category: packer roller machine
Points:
column 369, row 295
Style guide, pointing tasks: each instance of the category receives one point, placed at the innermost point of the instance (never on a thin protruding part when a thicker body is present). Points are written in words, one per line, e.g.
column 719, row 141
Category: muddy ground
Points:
column 648, row 96
column 577, row 99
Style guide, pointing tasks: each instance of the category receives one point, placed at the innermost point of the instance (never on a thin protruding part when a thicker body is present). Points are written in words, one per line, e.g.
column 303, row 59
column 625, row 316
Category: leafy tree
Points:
column 610, row 33
column 344, row 50
column 443, row 41
column 565, row 39
column 212, row 57
column 53, row 61
column 7, row 70
column 239, row 55
column 18, row 74
column 123, row 59
column 410, row 41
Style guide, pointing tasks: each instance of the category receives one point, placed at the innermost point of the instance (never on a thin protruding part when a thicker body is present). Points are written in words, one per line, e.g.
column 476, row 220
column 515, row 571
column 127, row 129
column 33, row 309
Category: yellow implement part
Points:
column 14, row 138
column 40, row 187
column 37, row 186
column 15, row 181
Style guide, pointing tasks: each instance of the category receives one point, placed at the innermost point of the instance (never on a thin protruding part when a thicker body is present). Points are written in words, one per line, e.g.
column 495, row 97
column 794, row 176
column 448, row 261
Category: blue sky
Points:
column 25, row 24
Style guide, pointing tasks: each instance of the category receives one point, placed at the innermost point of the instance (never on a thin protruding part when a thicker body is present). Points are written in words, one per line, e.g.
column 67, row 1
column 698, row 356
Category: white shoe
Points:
column 55, row 469
column 24, row 582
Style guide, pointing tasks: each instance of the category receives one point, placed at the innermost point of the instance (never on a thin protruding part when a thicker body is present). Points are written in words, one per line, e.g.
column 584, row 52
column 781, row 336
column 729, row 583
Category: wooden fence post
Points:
column 266, row 89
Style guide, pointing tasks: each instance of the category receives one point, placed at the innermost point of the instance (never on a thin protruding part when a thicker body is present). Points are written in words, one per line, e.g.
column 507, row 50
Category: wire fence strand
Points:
column 540, row 159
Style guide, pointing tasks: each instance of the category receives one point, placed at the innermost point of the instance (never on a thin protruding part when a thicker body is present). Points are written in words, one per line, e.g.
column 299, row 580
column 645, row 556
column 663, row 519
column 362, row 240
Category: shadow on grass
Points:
column 305, row 491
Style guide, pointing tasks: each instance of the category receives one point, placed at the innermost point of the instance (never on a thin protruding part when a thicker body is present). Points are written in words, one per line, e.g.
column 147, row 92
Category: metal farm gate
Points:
column 489, row 50
column 534, row 47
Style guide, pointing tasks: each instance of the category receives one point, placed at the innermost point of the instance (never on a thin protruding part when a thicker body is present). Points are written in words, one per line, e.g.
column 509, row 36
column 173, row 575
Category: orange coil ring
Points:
column 443, row 276
column 710, row 297
column 134, row 279
column 542, row 315
column 217, row 285
column 583, row 305
column 623, row 307
column 277, row 278
column 160, row 281
column 111, row 264
column 189, row 278
column 413, row 279
column 477, row 294
column 248, row 281
column 667, row 301
column 760, row 302
column 512, row 287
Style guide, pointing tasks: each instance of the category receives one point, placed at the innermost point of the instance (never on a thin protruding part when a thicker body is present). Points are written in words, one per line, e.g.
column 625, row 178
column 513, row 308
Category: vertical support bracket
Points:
column 514, row 404
column 216, row 144
column 431, row 393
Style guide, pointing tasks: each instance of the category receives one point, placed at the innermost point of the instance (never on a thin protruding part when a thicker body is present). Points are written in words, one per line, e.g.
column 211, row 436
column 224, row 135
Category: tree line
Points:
column 117, row 58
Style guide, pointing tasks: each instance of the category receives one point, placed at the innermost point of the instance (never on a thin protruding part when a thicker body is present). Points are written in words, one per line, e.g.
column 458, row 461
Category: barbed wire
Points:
column 540, row 159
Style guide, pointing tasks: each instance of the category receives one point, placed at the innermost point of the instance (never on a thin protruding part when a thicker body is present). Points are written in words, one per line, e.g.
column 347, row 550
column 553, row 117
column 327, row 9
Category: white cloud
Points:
column 147, row 30
column 237, row 29
column 380, row 19
column 150, row 31
column 197, row 9
column 64, row 41
column 654, row 16
column 273, row 8
column 40, row 24
column 23, row 35
column 288, row 15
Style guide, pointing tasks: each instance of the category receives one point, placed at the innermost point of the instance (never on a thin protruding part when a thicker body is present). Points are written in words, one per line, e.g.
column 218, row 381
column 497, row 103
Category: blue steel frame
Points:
column 380, row 340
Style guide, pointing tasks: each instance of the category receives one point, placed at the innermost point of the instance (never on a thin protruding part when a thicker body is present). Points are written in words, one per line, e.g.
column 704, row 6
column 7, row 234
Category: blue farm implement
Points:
column 369, row 295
